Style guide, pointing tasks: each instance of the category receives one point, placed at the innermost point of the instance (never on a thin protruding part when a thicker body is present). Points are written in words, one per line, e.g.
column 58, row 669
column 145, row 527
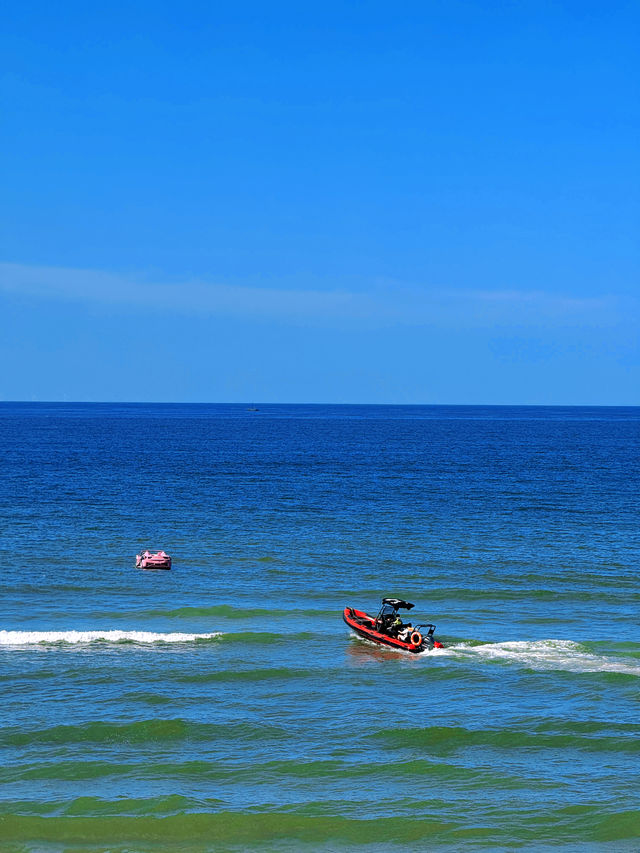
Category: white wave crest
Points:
column 30, row 638
column 543, row 655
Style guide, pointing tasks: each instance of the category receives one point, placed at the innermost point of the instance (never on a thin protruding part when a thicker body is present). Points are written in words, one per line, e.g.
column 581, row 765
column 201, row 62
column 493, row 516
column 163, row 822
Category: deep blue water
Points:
column 514, row 529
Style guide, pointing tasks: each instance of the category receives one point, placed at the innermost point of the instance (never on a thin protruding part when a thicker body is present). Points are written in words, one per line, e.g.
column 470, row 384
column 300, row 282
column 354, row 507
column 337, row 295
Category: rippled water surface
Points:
column 224, row 706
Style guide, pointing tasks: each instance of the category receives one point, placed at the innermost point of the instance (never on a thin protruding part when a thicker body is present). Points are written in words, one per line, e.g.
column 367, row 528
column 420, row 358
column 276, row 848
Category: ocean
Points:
column 225, row 706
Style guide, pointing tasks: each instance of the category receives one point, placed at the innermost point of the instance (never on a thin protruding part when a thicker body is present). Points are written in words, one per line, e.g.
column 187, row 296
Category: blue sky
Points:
column 418, row 202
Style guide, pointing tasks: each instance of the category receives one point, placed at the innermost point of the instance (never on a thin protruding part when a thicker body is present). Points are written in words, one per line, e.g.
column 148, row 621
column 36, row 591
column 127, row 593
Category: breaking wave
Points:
column 30, row 638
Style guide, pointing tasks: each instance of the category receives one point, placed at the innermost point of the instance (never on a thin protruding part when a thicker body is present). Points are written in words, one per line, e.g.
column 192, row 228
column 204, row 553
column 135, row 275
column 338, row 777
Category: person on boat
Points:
column 400, row 630
column 405, row 633
column 385, row 624
column 396, row 626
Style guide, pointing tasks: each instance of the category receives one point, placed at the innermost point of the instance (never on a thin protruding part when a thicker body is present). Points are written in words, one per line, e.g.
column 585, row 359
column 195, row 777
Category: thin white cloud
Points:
column 381, row 305
column 186, row 297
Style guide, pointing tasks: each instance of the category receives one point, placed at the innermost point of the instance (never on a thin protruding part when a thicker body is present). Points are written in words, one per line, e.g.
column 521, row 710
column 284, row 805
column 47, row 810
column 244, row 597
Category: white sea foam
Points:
column 539, row 655
column 30, row 638
column 543, row 655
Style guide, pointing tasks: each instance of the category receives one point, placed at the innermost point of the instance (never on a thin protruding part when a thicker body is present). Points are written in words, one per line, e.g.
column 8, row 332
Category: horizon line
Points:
column 281, row 403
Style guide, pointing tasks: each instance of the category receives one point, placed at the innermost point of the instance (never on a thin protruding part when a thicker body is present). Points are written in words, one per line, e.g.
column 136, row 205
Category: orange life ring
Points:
column 416, row 638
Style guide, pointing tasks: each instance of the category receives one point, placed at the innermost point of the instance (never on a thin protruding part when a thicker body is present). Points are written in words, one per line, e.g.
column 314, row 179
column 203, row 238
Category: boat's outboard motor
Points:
column 428, row 640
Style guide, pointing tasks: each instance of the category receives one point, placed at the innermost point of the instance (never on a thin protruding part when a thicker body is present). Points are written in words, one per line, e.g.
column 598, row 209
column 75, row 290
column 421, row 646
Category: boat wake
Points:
column 536, row 655
column 31, row 638
column 542, row 655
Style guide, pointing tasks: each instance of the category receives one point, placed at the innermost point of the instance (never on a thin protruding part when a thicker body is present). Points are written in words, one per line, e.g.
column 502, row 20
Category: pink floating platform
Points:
column 147, row 560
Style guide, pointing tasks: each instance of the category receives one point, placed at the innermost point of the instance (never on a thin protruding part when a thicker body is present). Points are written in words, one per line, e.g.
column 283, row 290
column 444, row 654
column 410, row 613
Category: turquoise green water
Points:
column 225, row 706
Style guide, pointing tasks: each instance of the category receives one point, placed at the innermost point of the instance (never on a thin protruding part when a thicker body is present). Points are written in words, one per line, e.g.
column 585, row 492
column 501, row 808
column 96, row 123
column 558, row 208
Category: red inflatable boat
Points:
column 389, row 630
